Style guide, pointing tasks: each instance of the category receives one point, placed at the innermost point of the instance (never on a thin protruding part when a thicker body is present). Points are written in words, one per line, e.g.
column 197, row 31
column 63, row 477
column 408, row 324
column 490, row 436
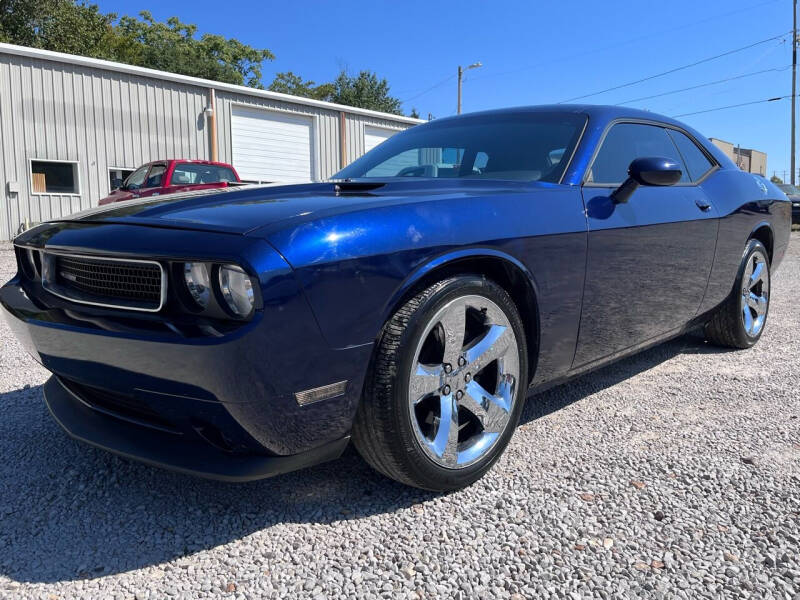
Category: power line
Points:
column 676, row 69
column 700, row 112
column 625, row 42
column 433, row 87
column 595, row 50
column 701, row 85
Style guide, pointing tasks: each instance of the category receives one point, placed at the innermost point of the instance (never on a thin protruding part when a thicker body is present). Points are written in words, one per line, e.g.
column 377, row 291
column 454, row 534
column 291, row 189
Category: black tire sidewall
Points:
column 431, row 475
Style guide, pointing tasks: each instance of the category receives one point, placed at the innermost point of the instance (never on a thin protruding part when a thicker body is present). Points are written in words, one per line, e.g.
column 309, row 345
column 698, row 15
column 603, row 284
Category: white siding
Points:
column 373, row 136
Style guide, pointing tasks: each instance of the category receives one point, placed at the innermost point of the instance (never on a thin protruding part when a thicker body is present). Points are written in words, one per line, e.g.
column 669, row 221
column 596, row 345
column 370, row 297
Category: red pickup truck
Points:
column 162, row 177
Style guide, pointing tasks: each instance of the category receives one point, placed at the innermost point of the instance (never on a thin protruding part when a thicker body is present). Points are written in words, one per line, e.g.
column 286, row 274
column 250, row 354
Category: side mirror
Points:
column 116, row 183
column 647, row 171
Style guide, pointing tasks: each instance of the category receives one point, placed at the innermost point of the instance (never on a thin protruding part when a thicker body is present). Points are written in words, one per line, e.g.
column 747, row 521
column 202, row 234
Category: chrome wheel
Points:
column 463, row 381
column 755, row 294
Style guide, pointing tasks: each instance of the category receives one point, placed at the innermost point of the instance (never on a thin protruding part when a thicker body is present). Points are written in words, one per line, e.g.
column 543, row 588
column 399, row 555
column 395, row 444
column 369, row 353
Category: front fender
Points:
column 452, row 258
column 354, row 268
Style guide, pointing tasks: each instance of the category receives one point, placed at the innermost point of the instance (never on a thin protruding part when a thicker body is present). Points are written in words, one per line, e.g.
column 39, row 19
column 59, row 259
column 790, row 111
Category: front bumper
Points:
column 166, row 450
column 242, row 384
column 231, row 392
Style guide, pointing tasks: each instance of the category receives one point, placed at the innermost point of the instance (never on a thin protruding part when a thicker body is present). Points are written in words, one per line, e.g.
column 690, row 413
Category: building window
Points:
column 54, row 177
column 117, row 176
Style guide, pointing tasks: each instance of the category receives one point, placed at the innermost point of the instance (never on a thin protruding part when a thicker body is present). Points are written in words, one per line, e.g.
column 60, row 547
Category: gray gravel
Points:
column 673, row 474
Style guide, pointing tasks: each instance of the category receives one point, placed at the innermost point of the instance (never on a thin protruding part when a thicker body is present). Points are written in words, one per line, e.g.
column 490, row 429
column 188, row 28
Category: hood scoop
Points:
column 356, row 187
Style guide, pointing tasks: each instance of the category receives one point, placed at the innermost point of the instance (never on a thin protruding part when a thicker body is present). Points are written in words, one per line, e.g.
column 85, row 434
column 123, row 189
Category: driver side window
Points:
column 136, row 179
column 626, row 142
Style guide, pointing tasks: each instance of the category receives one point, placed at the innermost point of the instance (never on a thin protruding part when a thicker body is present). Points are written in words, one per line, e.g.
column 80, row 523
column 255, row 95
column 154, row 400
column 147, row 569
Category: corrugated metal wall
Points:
column 103, row 118
column 355, row 132
column 100, row 119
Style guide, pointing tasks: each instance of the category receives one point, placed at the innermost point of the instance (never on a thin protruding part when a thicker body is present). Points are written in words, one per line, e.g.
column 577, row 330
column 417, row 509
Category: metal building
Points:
column 69, row 125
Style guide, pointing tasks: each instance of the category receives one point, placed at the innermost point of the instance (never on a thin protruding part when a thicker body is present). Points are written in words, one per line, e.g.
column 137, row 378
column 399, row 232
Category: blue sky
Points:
column 532, row 53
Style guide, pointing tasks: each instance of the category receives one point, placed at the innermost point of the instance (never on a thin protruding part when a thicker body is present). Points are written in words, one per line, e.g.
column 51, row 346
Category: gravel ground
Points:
column 674, row 474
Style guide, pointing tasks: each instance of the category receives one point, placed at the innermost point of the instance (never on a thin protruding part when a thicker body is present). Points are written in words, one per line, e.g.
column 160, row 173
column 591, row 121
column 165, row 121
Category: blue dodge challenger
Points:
column 408, row 304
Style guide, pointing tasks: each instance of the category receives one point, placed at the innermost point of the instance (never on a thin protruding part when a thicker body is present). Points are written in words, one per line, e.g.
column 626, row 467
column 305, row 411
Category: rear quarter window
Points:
column 694, row 158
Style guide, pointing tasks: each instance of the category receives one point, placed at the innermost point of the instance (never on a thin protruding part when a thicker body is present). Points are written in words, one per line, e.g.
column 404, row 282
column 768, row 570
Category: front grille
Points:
column 118, row 283
column 128, row 408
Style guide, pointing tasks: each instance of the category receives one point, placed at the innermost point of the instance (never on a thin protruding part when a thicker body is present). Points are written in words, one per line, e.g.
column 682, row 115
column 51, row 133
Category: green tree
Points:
column 289, row 83
column 776, row 179
column 414, row 114
column 172, row 46
column 365, row 91
column 80, row 28
column 58, row 25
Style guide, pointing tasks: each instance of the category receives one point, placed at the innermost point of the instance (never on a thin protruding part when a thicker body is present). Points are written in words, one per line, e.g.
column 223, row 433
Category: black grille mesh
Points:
column 110, row 281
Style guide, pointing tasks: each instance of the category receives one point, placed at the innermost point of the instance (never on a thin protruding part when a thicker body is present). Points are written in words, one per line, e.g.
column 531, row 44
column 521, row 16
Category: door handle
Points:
column 702, row 203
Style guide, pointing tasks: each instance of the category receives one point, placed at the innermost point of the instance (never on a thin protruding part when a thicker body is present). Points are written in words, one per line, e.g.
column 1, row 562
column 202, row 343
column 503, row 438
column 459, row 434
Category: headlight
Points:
column 198, row 282
column 237, row 289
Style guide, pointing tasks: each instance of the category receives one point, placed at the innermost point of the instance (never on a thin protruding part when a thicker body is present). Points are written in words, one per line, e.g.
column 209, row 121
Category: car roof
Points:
column 187, row 160
column 595, row 111
column 599, row 116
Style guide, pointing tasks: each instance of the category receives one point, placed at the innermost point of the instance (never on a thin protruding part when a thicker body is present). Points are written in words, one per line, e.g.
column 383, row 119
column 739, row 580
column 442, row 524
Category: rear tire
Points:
column 740, row 320
column 446, row 386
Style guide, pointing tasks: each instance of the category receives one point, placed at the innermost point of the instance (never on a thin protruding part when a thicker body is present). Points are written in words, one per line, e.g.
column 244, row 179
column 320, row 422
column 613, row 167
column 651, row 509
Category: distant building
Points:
column 752, row 161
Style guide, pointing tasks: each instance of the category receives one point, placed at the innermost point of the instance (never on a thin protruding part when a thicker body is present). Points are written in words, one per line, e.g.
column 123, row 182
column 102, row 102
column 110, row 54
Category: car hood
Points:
column 241, row 210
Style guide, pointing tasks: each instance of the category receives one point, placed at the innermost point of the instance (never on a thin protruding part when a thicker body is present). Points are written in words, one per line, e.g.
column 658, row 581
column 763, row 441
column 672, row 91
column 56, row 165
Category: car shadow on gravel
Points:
column 69, row 511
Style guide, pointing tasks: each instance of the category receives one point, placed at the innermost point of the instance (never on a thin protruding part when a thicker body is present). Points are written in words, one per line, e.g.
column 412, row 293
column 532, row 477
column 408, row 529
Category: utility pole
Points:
column 794, row 80
column 461, row 79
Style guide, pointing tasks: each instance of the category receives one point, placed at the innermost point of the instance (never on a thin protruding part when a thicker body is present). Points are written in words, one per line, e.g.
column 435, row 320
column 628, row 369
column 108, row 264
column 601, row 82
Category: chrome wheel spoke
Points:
column 758, row 273
column 491, row 410
column 425, row 380
column 489, row 348
column 748, row 319
column 756, row 302
column 460, row 410
column 454, row 323
column 755, row 294
column 445, row 444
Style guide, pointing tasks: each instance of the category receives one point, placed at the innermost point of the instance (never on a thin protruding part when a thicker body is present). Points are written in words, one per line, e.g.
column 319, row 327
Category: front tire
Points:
column 740, row 320
column 446, row 386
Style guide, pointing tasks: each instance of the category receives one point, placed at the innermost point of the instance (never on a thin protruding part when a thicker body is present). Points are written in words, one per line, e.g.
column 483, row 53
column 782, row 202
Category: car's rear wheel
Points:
column 740, row 321
column 446, row 385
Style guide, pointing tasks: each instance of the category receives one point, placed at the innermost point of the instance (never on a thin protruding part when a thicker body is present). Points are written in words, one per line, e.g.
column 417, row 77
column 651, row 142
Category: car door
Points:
column 649, row 259
column 153, row 184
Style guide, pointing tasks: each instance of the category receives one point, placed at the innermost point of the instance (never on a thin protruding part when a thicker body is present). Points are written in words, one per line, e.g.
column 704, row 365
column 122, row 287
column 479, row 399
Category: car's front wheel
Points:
column 446, row 385
column 740, row 320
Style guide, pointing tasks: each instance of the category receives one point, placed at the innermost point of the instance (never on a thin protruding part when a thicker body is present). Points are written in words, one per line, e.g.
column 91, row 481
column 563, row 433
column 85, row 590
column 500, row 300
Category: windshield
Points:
column 789, row 189
column 520, row 147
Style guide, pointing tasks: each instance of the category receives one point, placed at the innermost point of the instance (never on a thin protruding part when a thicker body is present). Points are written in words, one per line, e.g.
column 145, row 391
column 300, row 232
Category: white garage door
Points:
column 272, row 146
column 375, row 135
